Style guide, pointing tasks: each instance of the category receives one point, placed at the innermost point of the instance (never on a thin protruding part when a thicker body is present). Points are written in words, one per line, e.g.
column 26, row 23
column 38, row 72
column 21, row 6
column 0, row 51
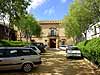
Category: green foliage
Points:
column 13, row 9
column 91, row 49
column 71, row 26
column 94, row 49
column 84, row 51
column 29, row 26
column 7, row 43
column 82, row 13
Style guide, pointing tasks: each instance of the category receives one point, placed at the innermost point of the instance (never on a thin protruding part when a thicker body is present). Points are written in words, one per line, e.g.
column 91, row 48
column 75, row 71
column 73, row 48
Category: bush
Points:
column 7, row 43
column 94, row 50
column 91, row 49
column 83, row 49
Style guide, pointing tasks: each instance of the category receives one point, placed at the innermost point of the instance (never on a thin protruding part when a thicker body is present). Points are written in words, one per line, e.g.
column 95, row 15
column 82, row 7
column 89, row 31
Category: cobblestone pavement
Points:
column 56, row 63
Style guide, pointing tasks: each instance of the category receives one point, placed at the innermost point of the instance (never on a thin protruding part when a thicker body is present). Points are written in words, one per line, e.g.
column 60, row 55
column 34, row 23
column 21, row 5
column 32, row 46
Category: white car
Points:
column 74, row 51
column 63, row 47
column 34, row 48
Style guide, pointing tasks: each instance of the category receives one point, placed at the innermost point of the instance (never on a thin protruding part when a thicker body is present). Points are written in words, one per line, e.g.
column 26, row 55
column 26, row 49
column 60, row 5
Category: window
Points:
column 2, row 53
column 33, row 52
column 99, row 29
column 8, row 53
column 95, row 32
column 62, row 41
column 34, row 48
column 28, row 52
column 13, row 53
column 63, row 46
column 75, row 48
column 53, row 31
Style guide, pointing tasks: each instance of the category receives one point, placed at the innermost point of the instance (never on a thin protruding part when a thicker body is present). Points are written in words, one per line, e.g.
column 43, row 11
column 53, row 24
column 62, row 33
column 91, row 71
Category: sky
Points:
column 49, row 9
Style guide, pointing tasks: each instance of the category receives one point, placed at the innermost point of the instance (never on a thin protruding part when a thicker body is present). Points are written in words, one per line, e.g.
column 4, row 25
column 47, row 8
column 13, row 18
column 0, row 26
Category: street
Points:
column 54, row 62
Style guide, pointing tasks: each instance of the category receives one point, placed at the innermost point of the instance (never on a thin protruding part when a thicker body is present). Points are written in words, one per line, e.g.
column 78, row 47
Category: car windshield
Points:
column 63, row 46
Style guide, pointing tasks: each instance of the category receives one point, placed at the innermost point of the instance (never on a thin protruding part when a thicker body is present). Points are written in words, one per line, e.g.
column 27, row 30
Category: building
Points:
column 93, row 31
column 7, row 33
column 52, row 34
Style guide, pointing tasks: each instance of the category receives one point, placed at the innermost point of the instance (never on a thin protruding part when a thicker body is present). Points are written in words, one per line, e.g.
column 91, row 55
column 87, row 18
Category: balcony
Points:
column 53, row 35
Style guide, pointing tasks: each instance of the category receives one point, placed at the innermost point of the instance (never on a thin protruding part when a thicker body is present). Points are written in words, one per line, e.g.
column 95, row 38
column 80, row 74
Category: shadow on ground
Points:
column 56, row 63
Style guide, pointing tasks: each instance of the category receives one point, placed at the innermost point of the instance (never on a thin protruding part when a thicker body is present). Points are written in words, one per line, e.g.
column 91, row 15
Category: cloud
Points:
column 35, row 4
column 63, row 1
column 49, row 11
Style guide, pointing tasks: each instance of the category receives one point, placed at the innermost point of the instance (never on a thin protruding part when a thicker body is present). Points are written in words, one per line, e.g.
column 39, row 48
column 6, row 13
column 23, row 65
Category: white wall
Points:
column 91, row 31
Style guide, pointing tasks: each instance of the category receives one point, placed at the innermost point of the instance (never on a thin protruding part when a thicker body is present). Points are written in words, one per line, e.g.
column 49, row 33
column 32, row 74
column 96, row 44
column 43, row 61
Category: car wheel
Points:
column 27, row 67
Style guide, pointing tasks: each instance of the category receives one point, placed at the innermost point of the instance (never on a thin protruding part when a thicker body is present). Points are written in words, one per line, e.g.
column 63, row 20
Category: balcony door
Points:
column 52, row 32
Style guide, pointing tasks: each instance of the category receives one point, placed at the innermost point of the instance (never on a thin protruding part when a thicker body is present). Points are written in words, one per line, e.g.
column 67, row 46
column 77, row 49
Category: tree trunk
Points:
column 27, row 38
column 20, row 36
column 74, row 40
column 30, row 38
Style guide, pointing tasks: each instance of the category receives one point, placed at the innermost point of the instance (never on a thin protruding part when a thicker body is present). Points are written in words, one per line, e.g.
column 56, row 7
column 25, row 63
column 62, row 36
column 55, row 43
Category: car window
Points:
column 33, row 52
column 8, row 53
column 63, row 46
column 75, row 48
column 2, row 53
column 34, row 48
column 27, row 52
column 13, row 53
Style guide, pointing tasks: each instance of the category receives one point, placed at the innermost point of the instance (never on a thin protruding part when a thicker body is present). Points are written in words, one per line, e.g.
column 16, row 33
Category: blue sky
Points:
column 49, row 9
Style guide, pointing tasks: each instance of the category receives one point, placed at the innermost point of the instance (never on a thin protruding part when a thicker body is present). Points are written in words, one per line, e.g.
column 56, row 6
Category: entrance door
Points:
column 52, row 43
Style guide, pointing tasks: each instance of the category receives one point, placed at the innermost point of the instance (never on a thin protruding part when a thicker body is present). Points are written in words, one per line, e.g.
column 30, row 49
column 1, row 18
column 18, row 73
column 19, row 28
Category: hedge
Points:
column 91, row 50
column 7, row 43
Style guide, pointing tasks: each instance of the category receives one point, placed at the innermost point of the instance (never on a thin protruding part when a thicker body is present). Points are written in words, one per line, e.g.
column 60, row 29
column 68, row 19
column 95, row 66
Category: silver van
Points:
column 18, row 58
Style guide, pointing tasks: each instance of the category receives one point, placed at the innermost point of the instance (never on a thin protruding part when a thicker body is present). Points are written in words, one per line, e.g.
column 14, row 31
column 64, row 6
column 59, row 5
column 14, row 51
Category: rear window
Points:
column 75, row 48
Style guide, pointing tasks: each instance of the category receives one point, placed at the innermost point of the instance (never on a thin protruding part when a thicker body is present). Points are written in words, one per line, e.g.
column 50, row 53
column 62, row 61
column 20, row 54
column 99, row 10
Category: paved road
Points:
column 55, row 63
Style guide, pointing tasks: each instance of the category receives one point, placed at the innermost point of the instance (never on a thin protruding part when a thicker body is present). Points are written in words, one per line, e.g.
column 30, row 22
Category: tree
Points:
column 82, row 13
column 13, row 9
column 94, row 7
column 71, row 25
column 29, row 26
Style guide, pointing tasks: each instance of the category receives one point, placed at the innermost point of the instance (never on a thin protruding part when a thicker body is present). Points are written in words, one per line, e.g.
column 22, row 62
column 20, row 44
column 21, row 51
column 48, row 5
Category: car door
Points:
column 28, row 55
column 10, row 60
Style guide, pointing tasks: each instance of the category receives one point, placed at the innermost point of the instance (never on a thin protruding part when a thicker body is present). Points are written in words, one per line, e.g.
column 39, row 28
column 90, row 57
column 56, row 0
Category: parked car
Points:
column 68, row 47
column 18, row 58
column 63, row 47
column 40, row 46
column 34, row 48
column 74, row 51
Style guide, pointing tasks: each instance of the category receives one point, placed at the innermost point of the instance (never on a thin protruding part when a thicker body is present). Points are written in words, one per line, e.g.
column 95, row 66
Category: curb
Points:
column 90, row 63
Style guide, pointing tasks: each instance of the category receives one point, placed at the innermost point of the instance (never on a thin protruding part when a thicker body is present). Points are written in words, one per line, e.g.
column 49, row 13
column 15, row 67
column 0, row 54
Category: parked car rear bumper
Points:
column 73, row 55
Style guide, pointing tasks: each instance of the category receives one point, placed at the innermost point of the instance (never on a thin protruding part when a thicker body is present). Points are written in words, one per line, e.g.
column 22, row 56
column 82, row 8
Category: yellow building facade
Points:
column 52, row 34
